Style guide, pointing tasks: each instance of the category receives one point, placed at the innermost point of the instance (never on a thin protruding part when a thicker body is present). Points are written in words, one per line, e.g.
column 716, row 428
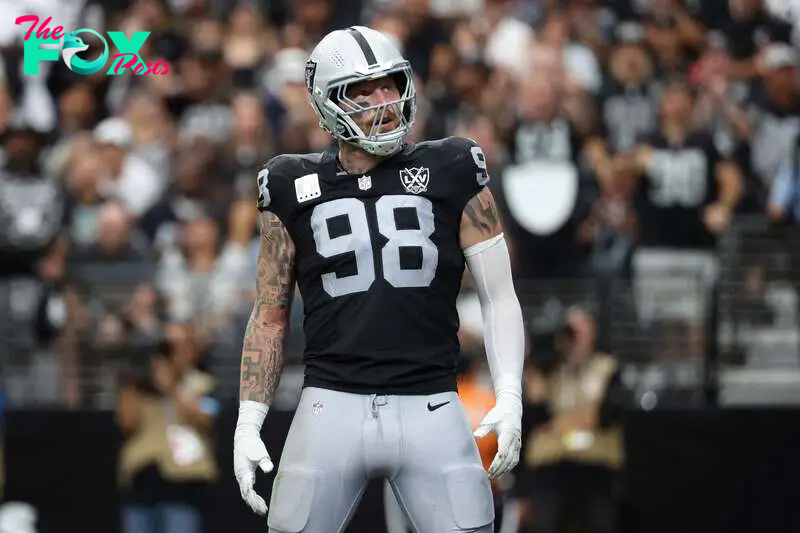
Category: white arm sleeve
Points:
column 503, row 329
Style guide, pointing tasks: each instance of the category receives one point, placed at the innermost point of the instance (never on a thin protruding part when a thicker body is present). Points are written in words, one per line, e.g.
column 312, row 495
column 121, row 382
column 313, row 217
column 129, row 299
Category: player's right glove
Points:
column 249, row 452
column 505, row 419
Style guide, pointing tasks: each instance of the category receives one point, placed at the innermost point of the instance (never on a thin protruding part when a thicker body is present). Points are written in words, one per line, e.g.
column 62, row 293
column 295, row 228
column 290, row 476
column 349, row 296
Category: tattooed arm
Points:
column 268, row 326
column 262, row 355
column 480, row 220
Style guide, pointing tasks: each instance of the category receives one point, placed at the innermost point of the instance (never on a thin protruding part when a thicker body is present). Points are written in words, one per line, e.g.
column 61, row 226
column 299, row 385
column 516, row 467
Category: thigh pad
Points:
column 470, row 496
column 292, row 495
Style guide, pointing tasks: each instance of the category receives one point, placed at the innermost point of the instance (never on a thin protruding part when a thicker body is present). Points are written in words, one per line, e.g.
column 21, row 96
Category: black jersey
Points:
column 378, row 262
column 679, row 183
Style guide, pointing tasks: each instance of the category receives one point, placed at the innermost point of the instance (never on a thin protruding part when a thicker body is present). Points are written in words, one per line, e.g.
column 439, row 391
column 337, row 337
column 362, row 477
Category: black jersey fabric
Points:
column 378, row 262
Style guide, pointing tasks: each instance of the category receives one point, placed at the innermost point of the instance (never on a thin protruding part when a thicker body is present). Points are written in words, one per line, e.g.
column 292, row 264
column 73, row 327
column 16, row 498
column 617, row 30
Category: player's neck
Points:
column 355, row 160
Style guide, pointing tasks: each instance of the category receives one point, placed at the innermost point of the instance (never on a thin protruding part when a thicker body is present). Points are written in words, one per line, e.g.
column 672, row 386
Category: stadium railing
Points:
column 689, row 328
column 759, row 299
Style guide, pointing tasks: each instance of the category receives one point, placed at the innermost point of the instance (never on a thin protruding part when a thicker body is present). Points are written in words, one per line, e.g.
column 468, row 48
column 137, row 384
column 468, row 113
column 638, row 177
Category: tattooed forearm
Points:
column 262, row 352
column 481, row 213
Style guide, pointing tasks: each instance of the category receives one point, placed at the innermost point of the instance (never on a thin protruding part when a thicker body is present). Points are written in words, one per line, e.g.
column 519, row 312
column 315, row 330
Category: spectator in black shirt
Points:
column 425, row 34
column 673, row 33
column 33, row 210
column 627, row 110
column 33, row 244
column 544, row 195
column 749, row 30
column 688, row 191
column 191, row 197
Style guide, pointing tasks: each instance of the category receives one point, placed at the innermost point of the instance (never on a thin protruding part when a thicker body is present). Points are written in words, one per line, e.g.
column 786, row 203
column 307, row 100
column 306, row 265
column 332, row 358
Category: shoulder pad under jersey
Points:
column 281, row 168
column 470, row 159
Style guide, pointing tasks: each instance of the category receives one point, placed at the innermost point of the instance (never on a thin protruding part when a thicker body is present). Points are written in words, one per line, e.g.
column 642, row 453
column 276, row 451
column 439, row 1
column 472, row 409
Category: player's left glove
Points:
column 505, row 419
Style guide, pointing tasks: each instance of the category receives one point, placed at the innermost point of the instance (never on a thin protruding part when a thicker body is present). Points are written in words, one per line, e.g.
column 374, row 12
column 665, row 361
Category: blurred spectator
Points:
column 287, row 104
column 202, row 107
column 105, row 282
column 576, row 403
column 251, row 140
column 424, row 33
column 77, row 114
column 543, row 196
column 114, row 261
column 688, row 192
column 82, row 177
column 685, row 198
column 202, row 280
column 152, row 134
column 194, row 193
column 593, row 24
column 166, row 413
column 126, row 177
column 611, row 229
column 784, row 199
column 774, row 113
column 673, row 33
column 77, row 109
column 627, row 102
column 314, row 18
column 720, row 109
column 247, row 42
column 580, row 63
column 749, row 30
column 32, row 208
column 33, row 246
column 786, row 10
column 505, row 36
column 542, row 131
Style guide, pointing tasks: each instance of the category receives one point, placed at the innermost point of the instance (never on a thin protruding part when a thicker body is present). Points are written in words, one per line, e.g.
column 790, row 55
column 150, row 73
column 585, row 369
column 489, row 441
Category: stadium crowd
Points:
column 644, row 154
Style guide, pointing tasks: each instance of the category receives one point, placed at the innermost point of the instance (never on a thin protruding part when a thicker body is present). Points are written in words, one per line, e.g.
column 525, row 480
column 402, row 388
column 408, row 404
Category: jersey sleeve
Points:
column 271, row 181
column 473, row 171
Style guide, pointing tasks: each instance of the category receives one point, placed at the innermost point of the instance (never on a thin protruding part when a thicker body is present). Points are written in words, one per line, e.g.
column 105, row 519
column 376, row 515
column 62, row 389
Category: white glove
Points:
column 249, row 452
column 505, row 419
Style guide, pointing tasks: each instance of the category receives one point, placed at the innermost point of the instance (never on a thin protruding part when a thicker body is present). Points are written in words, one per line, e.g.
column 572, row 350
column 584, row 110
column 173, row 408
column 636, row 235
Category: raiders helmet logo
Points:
column 311, row 70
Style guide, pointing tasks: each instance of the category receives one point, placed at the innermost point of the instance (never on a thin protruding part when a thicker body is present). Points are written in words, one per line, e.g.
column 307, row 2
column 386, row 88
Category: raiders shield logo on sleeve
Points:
column 311, row 70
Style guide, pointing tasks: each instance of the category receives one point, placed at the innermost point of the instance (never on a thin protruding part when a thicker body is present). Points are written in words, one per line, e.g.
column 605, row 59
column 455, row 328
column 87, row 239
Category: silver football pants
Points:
column 422, row 445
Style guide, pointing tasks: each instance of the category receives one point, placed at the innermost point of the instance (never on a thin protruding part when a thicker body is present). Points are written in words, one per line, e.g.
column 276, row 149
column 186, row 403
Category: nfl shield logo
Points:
column 365, row 183
column 316, row 407
column 415, row 180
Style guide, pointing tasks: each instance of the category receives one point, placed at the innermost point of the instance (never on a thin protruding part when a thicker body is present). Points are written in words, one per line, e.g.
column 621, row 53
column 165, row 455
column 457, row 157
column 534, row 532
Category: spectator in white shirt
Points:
column 128, row 178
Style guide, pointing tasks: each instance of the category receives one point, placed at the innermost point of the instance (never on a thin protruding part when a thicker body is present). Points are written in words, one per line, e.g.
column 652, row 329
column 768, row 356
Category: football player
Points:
column 375, row 232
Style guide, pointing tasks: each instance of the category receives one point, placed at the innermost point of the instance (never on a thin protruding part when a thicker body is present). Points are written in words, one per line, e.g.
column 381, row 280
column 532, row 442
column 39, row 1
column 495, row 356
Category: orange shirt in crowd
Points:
column 478, row 401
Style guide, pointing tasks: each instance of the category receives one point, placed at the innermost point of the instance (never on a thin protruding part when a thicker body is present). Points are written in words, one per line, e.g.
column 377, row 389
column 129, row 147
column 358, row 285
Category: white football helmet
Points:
column 353, row 55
